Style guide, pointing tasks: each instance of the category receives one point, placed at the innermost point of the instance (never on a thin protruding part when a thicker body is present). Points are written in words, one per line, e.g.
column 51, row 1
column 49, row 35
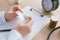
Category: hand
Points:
column 25, row 27
column 11, row 13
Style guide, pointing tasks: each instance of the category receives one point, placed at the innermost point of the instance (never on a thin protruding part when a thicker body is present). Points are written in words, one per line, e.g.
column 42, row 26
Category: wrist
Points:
column 20, row 31
column 6, row 17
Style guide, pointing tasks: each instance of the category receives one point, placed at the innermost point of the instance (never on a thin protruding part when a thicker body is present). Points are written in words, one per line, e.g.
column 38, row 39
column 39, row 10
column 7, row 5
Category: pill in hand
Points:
column 22, row 16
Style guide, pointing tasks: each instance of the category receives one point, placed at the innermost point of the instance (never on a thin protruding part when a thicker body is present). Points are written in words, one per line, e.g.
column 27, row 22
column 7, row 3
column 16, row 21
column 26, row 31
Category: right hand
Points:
column 25, row 27
column 10, row 14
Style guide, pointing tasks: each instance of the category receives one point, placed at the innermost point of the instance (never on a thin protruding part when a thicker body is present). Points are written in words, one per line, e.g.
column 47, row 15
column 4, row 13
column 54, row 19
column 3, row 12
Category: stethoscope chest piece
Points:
column 50, row 5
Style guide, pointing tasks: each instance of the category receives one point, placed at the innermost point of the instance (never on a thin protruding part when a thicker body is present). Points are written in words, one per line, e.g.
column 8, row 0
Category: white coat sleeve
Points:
column 14, row 35
column 2, row 18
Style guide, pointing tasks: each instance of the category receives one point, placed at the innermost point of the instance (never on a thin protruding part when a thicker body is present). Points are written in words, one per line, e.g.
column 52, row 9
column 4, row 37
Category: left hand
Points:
column 11, row 13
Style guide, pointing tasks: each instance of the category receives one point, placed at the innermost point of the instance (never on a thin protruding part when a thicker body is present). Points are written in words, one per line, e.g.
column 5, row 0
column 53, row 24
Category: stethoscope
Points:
column 50, row 5
column 52, row 32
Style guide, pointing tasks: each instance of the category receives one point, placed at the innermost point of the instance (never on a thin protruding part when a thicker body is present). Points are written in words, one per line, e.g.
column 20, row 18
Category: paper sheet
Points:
column 39, row 22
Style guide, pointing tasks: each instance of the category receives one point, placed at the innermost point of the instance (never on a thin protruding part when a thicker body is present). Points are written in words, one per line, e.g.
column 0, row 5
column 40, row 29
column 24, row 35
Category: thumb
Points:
column 14, row 13
column 29, row 21
column 17, row 8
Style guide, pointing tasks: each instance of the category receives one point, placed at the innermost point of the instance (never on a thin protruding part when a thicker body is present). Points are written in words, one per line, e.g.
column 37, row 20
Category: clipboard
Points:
column 39, row 22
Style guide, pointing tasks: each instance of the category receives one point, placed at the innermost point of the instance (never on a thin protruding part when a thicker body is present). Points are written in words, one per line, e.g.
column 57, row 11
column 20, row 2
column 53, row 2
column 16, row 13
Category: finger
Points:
column 17, row 8
column 26, row 21
column 14, row 13
column 30, row 21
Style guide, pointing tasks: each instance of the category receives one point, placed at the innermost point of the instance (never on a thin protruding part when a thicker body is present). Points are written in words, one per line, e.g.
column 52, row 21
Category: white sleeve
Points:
column 2, row 18
column 14, row 35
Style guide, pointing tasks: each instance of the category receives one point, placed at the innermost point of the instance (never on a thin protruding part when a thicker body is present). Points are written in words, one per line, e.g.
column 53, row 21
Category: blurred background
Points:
column 5, row 4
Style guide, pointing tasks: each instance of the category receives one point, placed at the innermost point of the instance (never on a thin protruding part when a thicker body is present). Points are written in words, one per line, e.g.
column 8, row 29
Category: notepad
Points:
column 39, row 22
